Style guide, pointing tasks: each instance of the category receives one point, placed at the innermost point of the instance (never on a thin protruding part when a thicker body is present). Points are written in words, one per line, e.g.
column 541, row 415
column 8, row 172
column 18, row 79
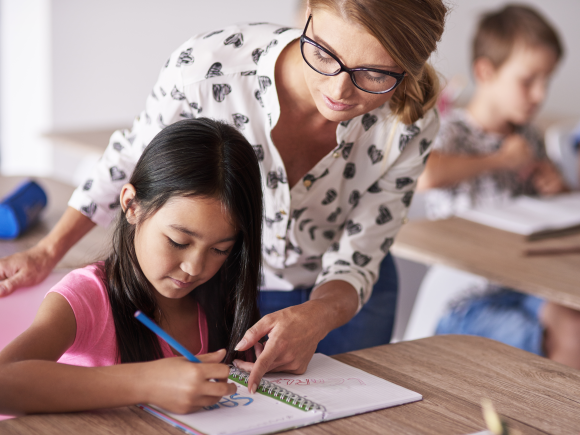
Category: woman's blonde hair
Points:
column 409, row 30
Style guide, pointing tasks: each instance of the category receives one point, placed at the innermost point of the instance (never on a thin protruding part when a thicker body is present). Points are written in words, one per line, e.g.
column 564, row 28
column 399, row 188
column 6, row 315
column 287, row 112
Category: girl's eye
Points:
column 219, row 252
column 176, row 245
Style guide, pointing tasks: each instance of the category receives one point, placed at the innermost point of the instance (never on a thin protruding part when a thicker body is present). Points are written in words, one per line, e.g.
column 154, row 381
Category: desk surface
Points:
column 90, row 248
column 496, row 255
column 453, row 373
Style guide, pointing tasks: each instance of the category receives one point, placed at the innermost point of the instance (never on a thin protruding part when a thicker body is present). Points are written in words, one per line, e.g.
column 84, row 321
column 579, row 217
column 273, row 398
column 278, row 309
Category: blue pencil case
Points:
column 20, row 209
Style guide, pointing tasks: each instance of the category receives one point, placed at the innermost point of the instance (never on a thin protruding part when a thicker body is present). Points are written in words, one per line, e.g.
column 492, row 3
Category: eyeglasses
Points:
column 374, row 81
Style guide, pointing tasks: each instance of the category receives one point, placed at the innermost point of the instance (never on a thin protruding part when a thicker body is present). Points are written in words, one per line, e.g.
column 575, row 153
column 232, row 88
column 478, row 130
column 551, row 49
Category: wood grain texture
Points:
column 94, row 246
column 453, row 373
column 496, row 255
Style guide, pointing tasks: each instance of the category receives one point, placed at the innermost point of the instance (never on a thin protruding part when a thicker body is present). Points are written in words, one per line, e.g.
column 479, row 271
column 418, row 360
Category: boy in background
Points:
column 487, row 154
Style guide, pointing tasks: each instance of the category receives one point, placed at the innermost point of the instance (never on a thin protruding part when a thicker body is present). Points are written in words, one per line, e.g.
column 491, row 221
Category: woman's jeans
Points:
column 373, row 324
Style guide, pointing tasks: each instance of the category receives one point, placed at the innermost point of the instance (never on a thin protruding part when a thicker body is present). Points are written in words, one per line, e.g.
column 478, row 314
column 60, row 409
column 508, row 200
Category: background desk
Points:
column 92, row 247
column 496, row 255
column 452, row 373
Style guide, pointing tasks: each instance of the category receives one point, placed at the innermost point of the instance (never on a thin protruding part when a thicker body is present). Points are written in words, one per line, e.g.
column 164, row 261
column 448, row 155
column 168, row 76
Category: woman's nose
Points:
column 341, row 86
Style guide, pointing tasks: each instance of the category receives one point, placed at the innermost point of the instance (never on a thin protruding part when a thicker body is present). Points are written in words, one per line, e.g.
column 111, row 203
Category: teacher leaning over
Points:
column 341, row 118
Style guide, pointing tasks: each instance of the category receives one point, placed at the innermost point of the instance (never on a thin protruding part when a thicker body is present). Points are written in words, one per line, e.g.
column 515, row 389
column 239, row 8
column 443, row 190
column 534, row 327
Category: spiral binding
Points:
column 277, row 391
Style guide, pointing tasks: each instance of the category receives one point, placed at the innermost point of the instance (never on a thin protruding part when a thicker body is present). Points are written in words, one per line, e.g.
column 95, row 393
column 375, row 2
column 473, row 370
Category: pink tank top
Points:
column 95, row 342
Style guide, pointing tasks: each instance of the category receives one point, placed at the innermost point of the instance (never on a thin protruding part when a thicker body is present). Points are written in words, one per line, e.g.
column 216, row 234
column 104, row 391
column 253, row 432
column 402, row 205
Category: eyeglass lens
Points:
column 323, row 63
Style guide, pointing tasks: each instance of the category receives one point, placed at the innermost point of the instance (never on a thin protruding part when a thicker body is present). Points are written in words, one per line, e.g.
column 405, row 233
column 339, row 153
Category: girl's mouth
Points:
column 336, row 105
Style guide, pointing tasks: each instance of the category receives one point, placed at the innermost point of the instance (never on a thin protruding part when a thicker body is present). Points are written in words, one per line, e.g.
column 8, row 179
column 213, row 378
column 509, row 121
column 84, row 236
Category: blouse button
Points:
column 336, row 155
column 279, row 237
column 405, row 220
column 307, row 183
column 282, row 211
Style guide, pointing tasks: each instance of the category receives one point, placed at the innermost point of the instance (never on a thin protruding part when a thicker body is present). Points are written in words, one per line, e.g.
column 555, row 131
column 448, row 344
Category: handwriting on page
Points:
column 231, row 402
column 328, row 382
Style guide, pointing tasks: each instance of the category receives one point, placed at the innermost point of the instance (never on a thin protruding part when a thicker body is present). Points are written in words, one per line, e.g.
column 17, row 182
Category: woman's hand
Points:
column 180, row 386
column 25, row 269
column 33, row 265
column 294, row 332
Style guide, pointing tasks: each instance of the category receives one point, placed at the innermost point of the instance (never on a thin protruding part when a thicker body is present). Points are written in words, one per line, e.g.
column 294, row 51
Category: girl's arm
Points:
column 32, row 381
column 33, row 265
column 447, row 169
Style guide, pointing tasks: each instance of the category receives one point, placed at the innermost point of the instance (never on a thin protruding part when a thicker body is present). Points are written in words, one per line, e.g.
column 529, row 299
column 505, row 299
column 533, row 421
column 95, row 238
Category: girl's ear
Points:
column 483, row 70
column 128, row 193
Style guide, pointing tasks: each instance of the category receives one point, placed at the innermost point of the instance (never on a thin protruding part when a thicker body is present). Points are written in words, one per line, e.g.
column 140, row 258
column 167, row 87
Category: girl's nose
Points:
column 194, row 264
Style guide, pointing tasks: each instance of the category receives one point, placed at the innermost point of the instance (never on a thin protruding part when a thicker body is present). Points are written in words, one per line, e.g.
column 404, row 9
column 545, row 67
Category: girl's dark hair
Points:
column 196, row 157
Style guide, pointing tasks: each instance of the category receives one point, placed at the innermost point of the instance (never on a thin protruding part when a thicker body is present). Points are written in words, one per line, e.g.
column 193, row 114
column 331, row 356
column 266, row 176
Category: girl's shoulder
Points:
column 84, row 289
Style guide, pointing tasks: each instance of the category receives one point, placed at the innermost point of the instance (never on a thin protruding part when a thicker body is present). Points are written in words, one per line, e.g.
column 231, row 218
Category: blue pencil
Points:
column 165, row 336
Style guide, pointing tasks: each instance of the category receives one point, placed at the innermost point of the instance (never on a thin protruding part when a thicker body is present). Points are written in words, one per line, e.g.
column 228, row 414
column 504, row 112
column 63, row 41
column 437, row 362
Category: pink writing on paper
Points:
column 320, row 381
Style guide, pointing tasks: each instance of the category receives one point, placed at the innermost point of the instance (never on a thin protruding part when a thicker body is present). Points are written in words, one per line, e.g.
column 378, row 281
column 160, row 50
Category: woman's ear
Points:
column 128, row 193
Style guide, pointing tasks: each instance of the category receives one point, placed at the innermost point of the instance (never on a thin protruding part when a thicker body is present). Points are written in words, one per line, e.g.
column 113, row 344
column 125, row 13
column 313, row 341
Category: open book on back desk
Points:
column 328, row 390
column 535, row 218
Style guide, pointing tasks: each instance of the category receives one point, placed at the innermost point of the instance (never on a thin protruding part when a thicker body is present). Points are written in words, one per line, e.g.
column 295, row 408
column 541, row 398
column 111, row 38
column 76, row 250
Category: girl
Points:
column 340, row 113
column 186, row 251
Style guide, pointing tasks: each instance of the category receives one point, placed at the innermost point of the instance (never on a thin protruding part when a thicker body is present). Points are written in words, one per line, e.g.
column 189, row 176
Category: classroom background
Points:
column 72, row 72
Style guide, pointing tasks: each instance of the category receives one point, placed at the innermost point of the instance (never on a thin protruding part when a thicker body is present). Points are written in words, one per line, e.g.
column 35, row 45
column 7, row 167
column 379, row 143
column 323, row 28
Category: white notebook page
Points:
column 343, row 390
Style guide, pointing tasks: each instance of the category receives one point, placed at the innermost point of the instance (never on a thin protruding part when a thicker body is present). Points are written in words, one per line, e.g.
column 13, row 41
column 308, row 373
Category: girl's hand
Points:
column 180, row 386
column 515, row 153
column 547, row 180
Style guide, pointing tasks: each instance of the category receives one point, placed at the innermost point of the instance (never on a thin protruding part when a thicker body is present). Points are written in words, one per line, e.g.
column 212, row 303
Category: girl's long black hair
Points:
column 196, row 157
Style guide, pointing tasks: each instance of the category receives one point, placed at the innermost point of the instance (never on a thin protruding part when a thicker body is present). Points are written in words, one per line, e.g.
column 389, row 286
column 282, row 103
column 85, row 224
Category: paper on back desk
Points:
column 342, row 389
column 526, row 215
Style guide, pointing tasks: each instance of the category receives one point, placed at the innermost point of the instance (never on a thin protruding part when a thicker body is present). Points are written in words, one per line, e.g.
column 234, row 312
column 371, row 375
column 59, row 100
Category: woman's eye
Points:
column 375, row 77
column 176, row 245
column 220, row 252
column 322, row 56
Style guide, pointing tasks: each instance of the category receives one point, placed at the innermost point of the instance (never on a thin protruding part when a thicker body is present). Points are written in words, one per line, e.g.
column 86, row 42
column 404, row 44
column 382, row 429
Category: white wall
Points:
column 25, row 86
column 454, row 50
column 108, row 53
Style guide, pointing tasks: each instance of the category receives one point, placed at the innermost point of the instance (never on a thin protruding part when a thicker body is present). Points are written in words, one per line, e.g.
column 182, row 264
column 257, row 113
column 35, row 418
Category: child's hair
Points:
column 409, row 30
column 501, row 30
column 191, row 158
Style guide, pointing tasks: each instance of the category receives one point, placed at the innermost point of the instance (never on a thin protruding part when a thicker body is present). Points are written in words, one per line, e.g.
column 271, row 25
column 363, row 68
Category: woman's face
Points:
column 183, row 244
column 336, row 97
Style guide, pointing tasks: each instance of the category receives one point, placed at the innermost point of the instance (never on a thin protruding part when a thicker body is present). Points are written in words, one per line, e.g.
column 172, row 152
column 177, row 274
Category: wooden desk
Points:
column 94, row 246
column 496, row 255
column 453, row 373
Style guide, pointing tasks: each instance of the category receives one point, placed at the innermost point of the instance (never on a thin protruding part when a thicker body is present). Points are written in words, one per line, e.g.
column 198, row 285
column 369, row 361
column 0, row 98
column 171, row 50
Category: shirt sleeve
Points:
column 98, row 197
column 371, row 226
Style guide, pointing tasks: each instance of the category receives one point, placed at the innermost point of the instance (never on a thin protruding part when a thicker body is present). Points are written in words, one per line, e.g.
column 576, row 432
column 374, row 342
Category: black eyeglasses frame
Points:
column 305, row 39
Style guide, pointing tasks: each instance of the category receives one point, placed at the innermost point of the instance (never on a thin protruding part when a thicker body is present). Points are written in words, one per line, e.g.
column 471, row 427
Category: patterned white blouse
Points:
column 339, row 221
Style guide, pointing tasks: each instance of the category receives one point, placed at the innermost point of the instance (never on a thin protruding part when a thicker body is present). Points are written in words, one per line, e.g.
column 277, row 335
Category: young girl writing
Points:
column 186, row 252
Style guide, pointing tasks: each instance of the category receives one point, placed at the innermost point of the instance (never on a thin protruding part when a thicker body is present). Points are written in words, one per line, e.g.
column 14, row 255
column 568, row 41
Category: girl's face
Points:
column 336, row 97
column 183, row 244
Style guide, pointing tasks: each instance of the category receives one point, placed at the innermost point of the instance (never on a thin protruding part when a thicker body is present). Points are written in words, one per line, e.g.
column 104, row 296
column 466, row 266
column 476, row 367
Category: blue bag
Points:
column 20, row 209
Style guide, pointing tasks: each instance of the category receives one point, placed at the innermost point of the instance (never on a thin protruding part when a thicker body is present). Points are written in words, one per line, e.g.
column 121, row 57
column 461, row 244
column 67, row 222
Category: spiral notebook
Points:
column 327, row 390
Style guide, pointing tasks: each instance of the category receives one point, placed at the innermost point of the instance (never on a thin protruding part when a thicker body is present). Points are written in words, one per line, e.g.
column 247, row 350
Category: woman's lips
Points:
column 180, row 284
column 335, row 105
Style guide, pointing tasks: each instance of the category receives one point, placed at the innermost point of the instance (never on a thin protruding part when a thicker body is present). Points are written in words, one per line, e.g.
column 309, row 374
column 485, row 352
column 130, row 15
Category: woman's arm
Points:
column 448, row 169
column 33, row 265
column 32, row 382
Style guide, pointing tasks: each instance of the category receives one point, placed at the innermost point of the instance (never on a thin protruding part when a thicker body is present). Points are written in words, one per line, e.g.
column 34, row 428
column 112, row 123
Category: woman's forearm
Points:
column 338, row 302
column 36, row 386
column 70, row 228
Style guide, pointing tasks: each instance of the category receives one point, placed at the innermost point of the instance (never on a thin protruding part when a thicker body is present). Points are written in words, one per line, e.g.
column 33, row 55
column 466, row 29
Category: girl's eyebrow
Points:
column 197, row 235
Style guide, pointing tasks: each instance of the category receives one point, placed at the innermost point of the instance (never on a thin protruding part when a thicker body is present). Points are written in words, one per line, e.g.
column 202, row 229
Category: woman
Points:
column 341, row 118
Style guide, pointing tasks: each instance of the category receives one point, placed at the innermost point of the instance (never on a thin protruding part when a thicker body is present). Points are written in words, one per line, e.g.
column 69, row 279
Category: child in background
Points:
column 186, row 252
column 487, row 154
